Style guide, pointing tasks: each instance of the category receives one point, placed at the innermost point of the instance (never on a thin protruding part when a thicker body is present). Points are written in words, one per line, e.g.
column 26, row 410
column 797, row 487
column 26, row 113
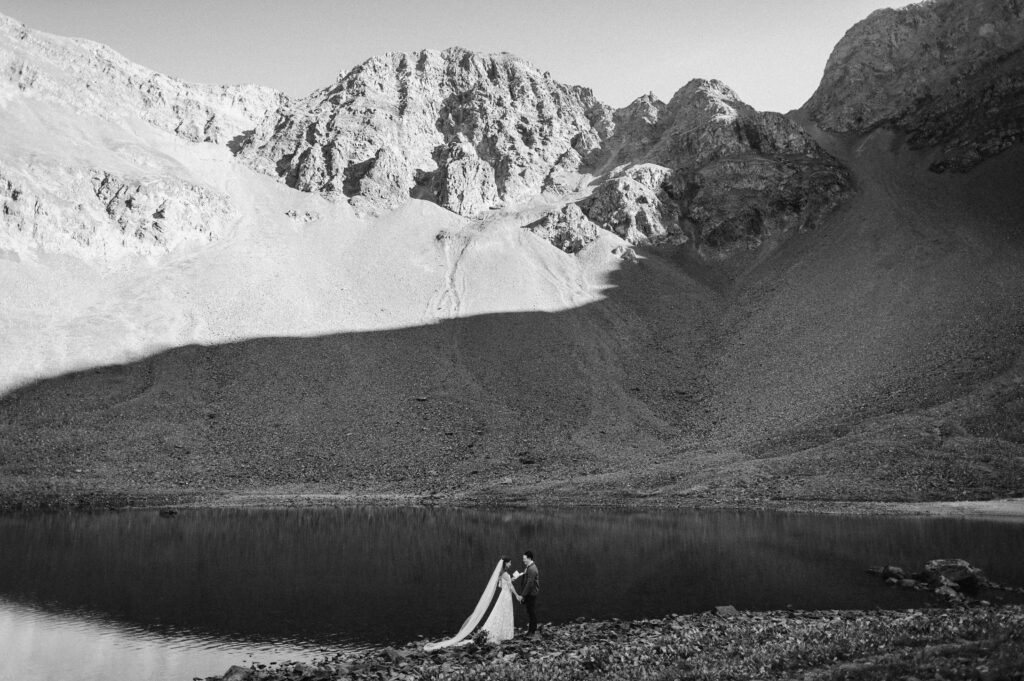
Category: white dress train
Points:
column 474, row 619
column 500, row 624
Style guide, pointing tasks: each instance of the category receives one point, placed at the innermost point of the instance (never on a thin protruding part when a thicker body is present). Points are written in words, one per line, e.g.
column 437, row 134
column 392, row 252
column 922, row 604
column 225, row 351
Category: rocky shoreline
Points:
column 953, row 579
column 980, row 642
column 24, row 500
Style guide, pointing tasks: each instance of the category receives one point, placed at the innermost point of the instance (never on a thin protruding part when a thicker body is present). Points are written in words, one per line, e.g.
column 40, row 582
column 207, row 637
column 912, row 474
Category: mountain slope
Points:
column 175, row 322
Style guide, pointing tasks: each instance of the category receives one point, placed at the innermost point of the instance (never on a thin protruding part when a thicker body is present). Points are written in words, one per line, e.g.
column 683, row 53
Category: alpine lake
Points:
column 136, row 594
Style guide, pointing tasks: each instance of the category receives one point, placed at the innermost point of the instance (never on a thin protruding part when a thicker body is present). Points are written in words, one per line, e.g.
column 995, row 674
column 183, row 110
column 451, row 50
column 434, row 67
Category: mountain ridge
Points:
column 671, row 303
column 504, row 132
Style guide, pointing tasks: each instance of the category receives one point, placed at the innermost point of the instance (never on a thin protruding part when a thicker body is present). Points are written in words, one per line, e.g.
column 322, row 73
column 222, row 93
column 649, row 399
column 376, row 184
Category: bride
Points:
column 500, row 624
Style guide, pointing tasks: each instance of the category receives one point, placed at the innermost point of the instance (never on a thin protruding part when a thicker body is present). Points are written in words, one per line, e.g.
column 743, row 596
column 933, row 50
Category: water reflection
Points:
column 230, row 581
column 36, row 645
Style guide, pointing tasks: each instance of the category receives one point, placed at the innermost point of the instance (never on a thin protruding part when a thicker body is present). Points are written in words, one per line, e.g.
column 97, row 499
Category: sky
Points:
column 771, row 52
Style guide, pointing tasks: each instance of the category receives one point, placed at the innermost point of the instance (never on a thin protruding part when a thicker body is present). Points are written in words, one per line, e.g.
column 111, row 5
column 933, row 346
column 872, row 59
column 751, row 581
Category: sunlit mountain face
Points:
column 448, row 274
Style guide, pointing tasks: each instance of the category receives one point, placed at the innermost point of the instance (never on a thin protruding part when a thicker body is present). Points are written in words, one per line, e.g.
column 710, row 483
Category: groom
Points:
column 529, row 590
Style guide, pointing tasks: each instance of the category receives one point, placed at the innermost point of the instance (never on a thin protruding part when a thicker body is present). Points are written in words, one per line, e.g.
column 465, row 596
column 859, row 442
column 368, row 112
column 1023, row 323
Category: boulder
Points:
column 626, row 254
column 946, row 572
column 948, row 593
column 892, row 571
column 237, row 673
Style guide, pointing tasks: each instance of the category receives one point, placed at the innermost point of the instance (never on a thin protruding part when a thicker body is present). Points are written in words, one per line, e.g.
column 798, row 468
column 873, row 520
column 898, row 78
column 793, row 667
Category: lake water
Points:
column 133, row 595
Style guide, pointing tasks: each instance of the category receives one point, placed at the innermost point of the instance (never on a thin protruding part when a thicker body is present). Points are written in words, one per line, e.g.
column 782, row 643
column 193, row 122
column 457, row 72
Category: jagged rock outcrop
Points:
column 949, row 74
column 740, row 176
column 465, row 183
column 158, row 211
column 71, row 210
column 385, row 181
column 708, row 169
column 473, row 131
column 637, row 205
column 566, row 228
column 564, row 176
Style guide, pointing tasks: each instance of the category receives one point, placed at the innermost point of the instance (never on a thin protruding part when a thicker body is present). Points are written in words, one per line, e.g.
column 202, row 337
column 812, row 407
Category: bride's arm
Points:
column 512, row 588
column 506, row 582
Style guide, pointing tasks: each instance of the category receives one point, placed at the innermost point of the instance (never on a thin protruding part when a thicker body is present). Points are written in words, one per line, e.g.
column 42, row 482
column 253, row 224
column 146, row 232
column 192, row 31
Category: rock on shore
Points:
column 953, row 579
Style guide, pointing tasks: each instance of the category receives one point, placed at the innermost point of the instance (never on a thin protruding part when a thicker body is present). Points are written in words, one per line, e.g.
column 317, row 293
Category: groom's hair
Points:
column 528, row 554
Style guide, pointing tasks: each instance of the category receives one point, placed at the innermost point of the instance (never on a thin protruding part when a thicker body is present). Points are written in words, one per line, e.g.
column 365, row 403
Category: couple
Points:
column 500, row 624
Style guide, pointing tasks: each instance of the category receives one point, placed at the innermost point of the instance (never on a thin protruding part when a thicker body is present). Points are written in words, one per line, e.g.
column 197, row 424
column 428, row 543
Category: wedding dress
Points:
column 499, row 625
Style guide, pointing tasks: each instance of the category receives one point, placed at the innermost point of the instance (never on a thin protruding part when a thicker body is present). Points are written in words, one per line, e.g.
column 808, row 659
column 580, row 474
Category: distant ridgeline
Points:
column 476, row 132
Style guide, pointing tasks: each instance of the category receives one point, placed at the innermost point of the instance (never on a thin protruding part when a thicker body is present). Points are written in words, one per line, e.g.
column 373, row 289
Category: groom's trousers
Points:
column 531, row 611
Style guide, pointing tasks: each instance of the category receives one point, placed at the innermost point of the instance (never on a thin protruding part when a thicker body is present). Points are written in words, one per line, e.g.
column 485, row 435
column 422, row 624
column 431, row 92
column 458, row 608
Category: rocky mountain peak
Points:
column 646, row 108
column 949, row 74
column 714, row 97
column 705, row 169
column 471, row 131
column 697, row 105
column 639, row 124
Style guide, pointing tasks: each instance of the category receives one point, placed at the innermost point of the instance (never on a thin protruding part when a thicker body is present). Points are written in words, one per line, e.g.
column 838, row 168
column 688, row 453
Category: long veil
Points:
column 474, row 619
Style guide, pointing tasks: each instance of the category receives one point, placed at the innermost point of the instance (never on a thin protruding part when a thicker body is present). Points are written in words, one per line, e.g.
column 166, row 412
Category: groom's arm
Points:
column 531, row 581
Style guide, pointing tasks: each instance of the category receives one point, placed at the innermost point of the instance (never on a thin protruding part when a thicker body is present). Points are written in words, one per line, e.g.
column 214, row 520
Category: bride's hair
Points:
column 505, row 560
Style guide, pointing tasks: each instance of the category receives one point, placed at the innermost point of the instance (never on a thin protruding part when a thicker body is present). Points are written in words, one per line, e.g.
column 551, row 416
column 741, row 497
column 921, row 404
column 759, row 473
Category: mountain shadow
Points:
column 876, row 358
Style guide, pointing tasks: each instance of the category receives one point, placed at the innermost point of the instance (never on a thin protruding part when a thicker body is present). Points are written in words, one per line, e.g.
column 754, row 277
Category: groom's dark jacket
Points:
column 531, row 581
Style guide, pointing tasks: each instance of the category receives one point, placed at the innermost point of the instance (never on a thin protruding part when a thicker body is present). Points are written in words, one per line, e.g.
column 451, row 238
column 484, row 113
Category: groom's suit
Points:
column 531, row 586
